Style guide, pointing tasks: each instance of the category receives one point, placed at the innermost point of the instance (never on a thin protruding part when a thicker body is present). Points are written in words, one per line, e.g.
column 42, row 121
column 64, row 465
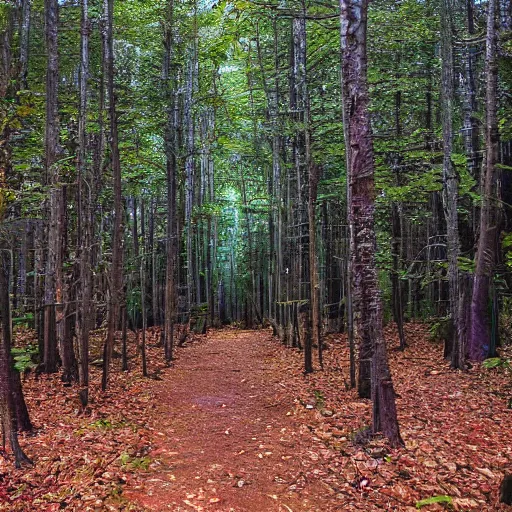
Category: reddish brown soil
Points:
column 222, row 442
column 239, row 428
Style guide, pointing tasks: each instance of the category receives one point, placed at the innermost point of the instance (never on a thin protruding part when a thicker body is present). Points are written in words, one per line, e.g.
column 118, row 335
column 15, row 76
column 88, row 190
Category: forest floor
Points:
column 234, row 425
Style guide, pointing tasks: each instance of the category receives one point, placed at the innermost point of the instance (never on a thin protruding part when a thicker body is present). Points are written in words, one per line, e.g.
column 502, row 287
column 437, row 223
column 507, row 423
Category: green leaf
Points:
column 27, row 320
column 492, row 362
column 433, row 500
column 124, row 458
column 24, row 357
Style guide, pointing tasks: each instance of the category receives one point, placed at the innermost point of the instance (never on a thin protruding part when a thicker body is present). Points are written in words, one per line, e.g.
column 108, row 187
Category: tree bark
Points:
column 142, row 264
column 6, row 36
column 8, row 415
column 362, row 378
column 302, row 160
column 116, row 285
column 153, row 248
column 188, row 121
column 367, row 298
column 24, row 42
column 170, row 138
column 13, row 409
column 450, row 182
column 480, row 336
column 314, row 286
column 84, row 220
column 396, row 234
column 66, row 349
column 470, row 107
column 53, row 281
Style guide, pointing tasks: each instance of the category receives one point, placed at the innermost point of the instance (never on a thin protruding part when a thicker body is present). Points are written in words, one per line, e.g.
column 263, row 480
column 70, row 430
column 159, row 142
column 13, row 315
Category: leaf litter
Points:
column 235, row 425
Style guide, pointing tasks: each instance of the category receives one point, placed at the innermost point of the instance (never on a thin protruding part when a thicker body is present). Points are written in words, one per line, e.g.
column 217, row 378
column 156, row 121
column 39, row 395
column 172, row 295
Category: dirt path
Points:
column 235, row 426
column 221, row 440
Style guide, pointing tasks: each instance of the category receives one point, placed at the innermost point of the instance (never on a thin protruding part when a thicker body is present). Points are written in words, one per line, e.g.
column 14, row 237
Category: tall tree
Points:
column 53, row 276
column 366, row 293
column 8, row 416
column 191, row 199
column 471, row 123
column 84, row 220
column 24, row 41
column 13, row 405
column 302, row 159
column 480, row 335
column 170, row 147
column 454, row 348
column 116, row 274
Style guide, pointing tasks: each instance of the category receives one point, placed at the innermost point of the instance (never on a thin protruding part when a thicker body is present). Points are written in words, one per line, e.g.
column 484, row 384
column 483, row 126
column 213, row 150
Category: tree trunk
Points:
column 470, row 107
column 367, row 299
column 84, row 221
column 13, row 409
column 52, row 290
column 6, row 36
column 210, row 239
column 170, row 145
column 302, row 158
column 480, row 336
column 21, row 281
column 363, row 377
column 313, row 177
column 7, row 405
column 188, row 120
column 396, row 233
column 450, row 181
column 24, row 42
column 314, row 286
column 124, row 339
column 116, row 286
column 153, row 248
column 66, row 349
column 250, row 291
column 142, row 264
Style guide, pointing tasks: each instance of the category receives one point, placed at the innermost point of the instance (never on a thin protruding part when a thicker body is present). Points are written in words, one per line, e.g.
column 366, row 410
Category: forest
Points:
column 256, row 255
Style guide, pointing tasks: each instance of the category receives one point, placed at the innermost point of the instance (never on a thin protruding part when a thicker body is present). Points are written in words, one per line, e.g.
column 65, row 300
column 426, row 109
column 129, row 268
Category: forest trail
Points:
column 223, row 439
column 235, row 426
